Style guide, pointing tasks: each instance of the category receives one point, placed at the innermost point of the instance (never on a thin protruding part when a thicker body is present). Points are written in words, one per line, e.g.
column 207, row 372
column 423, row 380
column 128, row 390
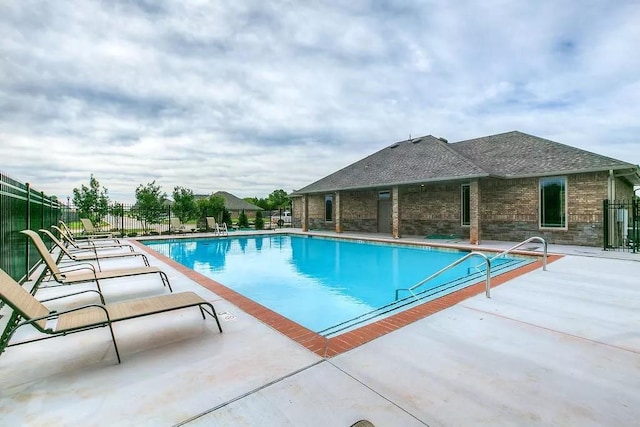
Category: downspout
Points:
column 611, row 197
column 611, row 190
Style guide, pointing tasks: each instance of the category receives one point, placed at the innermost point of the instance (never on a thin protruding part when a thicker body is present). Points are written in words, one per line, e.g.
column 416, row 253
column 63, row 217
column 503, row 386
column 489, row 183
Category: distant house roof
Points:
column 234, row 203
column 428, row 159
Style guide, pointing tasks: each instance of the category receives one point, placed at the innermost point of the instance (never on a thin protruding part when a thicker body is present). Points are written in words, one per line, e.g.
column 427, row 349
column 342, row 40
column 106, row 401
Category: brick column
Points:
column 338, row 213
column 474, row 196
column 305, row 213
column 395, row 213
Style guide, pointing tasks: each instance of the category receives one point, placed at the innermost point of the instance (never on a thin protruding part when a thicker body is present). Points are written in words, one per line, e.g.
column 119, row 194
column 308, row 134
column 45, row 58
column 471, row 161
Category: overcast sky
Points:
column 252, row 96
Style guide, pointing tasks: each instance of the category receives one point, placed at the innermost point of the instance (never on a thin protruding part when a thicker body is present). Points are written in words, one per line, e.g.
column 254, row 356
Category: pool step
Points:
column 422, row 297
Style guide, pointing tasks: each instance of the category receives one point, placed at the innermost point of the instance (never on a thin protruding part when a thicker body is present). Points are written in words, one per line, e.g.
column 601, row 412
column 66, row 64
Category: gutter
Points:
column 632, row 170
column 395, row 184
column 572, row 171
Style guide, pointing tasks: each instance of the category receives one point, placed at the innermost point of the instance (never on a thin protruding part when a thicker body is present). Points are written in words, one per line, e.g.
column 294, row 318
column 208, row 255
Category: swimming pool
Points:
column 326, row 285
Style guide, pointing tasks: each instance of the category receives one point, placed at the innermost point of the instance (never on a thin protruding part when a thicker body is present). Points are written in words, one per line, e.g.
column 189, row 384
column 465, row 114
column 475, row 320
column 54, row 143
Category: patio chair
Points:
column 218, row 228
column 176, row 226
column 94, row 255
column 29, row 311
column 92, row 232
column 72, row 243
column 84, row 273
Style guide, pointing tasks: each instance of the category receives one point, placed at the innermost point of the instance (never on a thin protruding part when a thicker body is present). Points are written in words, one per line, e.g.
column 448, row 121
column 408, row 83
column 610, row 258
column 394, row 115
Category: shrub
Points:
column 243, row 221
column 259, row 222
column 226, row 217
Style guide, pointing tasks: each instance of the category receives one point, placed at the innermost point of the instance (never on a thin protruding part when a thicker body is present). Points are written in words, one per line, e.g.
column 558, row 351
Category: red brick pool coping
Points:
column 329, row 347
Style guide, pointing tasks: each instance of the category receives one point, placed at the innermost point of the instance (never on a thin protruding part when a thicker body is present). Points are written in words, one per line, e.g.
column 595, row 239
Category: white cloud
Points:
column 250, row 96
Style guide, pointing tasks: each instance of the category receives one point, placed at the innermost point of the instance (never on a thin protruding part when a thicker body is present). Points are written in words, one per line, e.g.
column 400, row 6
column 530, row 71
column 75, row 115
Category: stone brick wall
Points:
column 431, row 209
column 359, row 211
column 624, row 190
column 509, row 210
column 316, row 213
column 296, row 212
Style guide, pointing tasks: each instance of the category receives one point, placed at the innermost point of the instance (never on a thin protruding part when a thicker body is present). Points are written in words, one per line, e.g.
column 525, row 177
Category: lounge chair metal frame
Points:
column 27, row 310
column 91, row 232
column 62, row 276
column 94, row 256
column 176, row 226
column 71, row 242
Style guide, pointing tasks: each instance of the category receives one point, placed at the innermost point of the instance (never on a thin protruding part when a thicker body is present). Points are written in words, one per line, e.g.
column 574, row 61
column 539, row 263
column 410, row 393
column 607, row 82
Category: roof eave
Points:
column 571, row 171
column 393, row 184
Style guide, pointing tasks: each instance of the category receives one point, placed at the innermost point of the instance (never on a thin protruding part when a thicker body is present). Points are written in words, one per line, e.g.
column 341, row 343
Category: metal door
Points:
column 384, row 212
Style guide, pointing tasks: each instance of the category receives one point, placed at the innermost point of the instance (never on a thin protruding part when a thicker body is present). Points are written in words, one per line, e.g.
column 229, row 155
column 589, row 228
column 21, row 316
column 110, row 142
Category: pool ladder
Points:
column 487, row 262
column 531, row 239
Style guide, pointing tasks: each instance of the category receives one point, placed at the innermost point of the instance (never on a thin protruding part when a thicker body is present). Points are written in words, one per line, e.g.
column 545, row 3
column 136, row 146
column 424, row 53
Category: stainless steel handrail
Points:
column 531, row 239
column 453, row 264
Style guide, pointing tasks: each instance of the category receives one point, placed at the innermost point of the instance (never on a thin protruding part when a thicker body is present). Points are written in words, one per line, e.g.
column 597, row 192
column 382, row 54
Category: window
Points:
column 553, row 202
column 466, row 204
column 384, row 195
column 328, row 207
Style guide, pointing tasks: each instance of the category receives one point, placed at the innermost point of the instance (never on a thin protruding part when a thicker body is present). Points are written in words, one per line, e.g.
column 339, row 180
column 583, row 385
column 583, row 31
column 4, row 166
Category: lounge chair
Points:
column 85, row 238
column 86, row 317
column 72, row 243
column 94, row 255
column 93, row 233
column 218, row 228
column 175, row 226
column 83, row 273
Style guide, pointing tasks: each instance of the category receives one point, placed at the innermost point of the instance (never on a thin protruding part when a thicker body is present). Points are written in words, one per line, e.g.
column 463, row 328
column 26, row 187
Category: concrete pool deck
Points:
column 560, row 347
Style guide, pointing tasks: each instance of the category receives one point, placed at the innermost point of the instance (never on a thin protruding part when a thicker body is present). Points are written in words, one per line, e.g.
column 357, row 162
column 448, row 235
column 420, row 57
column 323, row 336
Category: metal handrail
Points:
column 453, row 264
column 531, row 239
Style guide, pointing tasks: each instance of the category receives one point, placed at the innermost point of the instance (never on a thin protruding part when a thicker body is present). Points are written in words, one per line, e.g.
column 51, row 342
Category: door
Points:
column 384, row 212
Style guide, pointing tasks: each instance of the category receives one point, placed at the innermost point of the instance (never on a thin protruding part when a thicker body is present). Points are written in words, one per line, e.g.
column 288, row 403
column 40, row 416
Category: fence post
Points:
column 605, row 223
column 635, row 233
column 42, row 209
column 28, row 214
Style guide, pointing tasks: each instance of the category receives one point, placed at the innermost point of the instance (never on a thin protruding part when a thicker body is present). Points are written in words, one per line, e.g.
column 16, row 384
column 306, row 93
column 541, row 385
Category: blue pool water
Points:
column 326, row 285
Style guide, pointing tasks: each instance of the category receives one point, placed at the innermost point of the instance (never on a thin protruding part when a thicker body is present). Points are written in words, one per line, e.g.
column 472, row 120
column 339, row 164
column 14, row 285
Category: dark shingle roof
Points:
column 508, row 155
column 417, row 160
column 234, row 203
column 517, row 154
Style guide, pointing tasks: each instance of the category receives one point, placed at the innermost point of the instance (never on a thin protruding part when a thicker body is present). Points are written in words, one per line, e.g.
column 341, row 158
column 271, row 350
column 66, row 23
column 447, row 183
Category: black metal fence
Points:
column 621, row 225
column 130, row 221
column 21, row 208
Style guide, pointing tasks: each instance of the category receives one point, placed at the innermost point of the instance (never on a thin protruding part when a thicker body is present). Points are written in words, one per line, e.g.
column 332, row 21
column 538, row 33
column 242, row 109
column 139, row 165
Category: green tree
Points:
column 211, row 206
column 116, row 209
column 263, row 203
column 278, row 199
column 259, row 222
column 184, row 204
column 243, row 221
column 92, row 202
column 150, row 201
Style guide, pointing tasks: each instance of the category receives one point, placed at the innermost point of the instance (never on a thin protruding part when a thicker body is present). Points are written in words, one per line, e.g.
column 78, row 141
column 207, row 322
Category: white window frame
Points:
column 565, row 227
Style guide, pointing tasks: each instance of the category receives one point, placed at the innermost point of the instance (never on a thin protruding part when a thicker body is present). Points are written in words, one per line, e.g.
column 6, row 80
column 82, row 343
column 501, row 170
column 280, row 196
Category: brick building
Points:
column 507, row 187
